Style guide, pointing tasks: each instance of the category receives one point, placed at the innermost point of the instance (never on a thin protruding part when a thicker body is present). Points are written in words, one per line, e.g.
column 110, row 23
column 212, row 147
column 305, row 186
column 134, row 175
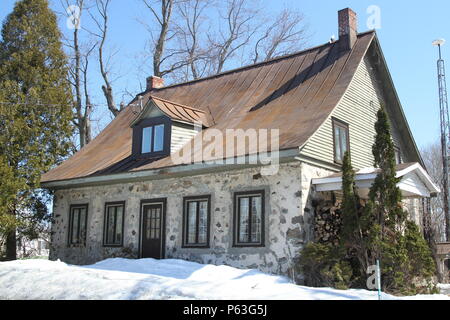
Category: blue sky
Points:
column 407, row 30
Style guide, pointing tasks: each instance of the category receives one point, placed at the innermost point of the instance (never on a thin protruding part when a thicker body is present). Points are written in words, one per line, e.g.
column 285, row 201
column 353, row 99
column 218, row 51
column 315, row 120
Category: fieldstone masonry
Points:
column 288, row 217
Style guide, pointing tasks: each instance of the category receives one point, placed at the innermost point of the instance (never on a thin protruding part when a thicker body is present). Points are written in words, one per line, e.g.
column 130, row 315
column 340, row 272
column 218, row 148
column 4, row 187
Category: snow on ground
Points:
column 444, row 288
column 157, row 279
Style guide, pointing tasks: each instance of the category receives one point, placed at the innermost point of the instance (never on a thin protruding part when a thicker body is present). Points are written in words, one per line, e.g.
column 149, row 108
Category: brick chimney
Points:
column 154, row 82
column 348, row 29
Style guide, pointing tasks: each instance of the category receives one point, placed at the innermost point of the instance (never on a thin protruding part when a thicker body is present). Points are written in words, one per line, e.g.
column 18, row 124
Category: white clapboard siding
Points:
column 358, row 108
column 181, row 134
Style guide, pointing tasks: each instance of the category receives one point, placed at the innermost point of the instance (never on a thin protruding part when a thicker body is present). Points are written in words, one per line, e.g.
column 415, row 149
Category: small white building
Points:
column 33, row 248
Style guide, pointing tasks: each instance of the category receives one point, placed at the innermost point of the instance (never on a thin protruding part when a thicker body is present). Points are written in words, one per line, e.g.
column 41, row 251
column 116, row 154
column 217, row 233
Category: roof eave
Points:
column 163, row 173
column 416, row 168
column 383, row 59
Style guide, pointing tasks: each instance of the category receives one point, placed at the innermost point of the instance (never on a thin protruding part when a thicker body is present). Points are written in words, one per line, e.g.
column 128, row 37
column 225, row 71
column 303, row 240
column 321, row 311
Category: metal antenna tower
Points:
column 445, row 131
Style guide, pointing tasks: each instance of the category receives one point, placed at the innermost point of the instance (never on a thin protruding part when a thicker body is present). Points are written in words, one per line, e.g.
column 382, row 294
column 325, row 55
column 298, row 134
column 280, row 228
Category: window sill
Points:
column 72, row 245
column 248, row 245
column 195, row 247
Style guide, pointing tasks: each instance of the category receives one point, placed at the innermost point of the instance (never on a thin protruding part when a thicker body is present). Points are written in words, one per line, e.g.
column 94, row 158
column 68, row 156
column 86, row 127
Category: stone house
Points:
column 157, row 182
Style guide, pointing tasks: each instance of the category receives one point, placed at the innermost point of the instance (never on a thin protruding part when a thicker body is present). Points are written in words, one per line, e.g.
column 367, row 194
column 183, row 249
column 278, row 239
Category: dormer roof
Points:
column 175, row 111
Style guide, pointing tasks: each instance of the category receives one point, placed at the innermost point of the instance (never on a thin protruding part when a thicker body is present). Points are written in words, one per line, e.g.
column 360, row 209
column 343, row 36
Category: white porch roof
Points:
column 415, row 181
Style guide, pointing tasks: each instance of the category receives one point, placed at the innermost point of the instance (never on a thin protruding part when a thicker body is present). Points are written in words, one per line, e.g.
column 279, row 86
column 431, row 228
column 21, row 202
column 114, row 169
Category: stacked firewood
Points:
column 328, row 222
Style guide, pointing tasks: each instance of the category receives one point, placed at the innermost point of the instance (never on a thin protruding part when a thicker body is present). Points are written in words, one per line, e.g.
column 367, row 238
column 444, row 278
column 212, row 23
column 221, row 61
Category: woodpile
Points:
column 328, row 221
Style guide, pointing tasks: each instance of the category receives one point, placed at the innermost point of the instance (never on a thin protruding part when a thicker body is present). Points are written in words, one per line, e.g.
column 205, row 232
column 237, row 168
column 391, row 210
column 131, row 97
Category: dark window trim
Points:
column 69, row 240
column 105, row 222
column 144, row 202
column 137, row 136
column 185, row 225
column 236, row 216
column 344, row 125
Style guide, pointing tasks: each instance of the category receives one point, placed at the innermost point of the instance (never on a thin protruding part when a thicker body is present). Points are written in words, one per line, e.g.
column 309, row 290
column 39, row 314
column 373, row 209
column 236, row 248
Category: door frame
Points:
column 163, row 203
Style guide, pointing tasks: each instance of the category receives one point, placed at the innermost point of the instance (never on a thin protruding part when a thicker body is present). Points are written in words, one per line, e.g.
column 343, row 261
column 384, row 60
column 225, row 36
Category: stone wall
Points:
column 288, row 219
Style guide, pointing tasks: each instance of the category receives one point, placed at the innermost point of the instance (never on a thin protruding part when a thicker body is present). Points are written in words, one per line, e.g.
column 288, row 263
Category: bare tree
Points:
column 188, row 30
column 87, row 100
column 433, row 161
column 237, row 34
column 238, row 31
column 165, row 59
column 287, row 33
column 82, row 107
column 102, row 10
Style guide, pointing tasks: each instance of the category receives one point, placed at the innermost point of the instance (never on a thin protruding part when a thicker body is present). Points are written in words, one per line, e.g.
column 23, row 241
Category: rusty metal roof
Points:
column 180, row 112
column 294, row 93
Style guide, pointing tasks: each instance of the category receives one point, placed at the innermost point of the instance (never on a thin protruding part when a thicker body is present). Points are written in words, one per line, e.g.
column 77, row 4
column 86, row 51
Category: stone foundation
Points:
column 288, row 217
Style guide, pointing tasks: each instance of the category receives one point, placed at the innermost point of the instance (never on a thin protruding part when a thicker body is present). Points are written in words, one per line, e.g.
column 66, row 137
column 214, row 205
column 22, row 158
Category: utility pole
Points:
column 445, row 131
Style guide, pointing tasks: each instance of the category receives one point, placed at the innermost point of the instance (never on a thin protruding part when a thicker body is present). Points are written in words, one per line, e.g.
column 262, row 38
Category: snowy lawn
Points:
column 444, row 288
column 157, row 279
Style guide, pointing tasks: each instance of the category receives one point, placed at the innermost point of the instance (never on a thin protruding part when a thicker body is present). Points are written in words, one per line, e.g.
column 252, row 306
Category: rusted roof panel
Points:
column 181, row 112
column 294, row 94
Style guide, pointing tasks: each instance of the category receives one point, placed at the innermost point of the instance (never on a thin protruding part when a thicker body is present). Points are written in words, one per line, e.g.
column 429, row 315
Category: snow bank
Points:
column 444, row 288
column 157, row 279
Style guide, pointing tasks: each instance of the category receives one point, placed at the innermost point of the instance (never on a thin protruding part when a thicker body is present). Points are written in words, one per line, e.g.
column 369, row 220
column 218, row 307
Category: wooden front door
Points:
column 152, row 230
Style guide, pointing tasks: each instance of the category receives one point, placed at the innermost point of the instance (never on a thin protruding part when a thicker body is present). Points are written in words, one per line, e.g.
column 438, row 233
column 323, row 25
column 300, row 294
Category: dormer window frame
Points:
column 138, row 131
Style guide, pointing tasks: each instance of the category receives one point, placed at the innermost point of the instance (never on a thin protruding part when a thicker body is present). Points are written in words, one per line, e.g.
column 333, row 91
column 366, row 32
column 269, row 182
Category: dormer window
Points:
column 163, row 127
column 153, row 139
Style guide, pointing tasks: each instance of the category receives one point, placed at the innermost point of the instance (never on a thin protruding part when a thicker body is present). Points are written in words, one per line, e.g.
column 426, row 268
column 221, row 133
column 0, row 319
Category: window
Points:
column 153, row 139
column 398, row 155
column 78, row 224
column 113, row 227
column 249, row 218
column 341, row 140
column 196, row 221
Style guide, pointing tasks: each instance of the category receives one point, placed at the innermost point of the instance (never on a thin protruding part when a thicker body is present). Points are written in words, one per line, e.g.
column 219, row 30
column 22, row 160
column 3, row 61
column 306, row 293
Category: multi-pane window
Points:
column 78, row 224
column 249, row 218
column 153, row 223
column 114, row 214
column 196, row 221
column 153, row 139
column 341, row 140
